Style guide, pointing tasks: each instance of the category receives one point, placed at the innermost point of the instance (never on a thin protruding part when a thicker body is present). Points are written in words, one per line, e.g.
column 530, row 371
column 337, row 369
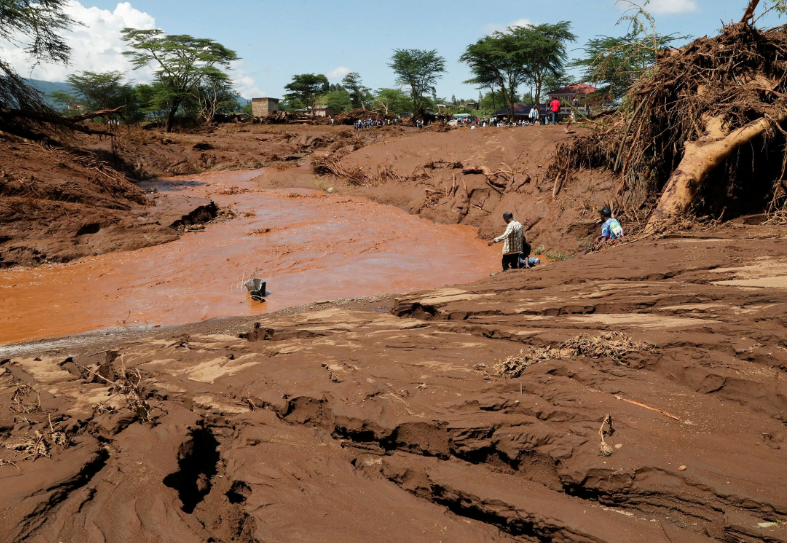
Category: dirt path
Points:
column 350, row 424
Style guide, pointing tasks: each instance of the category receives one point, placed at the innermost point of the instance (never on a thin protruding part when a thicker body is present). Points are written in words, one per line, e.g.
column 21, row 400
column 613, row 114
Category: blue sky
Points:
column 279, row 39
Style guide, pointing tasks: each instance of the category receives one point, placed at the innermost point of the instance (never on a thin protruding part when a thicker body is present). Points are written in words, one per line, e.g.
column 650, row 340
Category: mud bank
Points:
column 308, row 245
column 354, row 425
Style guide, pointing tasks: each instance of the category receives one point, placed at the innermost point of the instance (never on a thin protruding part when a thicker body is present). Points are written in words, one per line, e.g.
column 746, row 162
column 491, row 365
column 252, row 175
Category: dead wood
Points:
column 714, row 109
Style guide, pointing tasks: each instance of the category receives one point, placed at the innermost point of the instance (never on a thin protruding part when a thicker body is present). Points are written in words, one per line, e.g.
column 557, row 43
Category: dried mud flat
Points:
column 375, row 422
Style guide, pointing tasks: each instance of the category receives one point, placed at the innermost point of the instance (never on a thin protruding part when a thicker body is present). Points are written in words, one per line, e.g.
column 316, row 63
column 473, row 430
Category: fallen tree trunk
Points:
column 69, row 122
column 700, row 158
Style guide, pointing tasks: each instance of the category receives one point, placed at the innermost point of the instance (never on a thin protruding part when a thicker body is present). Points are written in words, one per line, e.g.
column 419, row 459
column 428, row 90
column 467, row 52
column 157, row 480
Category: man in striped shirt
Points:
column 512, row 242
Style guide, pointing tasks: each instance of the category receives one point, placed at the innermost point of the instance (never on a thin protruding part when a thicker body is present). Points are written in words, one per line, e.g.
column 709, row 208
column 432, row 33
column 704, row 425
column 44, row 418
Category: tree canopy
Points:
column 181, row 63
column 99, row 91
column 543, row 49
column 307, row 89
column 497, row 62
column 359, row 95
column 534, row 54
column 419, row 70
column 392, row 101
column 617, row 62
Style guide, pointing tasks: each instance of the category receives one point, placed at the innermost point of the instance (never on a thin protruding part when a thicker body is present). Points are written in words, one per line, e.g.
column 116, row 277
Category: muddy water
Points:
column 308, row 245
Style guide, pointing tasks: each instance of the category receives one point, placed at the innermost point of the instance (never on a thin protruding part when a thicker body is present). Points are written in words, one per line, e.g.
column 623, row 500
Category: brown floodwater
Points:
column 308, row 245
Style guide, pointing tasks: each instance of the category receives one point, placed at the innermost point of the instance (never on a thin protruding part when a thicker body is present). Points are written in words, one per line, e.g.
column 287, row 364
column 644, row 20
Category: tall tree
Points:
column 391, row 101
column 182, row 62
column 339, row 101
column 419, row 70
column 543, row 49
column 98, row 91
column 215, row 95
column 497, row 61
column 615, row 63
column 358, row 93
column 307, row 89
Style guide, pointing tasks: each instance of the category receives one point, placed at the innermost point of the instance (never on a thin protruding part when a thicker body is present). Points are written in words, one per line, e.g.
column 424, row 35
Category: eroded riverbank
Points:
column 308, row 245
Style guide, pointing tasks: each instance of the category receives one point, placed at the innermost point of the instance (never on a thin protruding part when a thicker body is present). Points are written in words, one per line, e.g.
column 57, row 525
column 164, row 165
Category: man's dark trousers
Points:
column 511, row 261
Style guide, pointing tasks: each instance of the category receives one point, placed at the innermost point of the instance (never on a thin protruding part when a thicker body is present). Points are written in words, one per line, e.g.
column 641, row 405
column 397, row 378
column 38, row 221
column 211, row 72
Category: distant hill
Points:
column 48, row 87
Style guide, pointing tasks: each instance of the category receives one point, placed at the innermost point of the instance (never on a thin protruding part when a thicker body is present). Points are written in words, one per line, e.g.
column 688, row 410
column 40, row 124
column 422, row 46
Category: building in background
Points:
column 262, row 107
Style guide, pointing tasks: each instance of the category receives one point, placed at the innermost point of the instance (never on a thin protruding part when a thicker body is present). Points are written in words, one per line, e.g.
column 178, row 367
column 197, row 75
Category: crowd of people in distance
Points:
column 516, row 249
column 360, row 124
column 535, row 117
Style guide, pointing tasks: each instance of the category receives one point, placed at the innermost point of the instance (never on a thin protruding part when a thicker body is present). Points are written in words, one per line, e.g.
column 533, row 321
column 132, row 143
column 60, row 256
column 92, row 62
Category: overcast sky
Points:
column 279, row 39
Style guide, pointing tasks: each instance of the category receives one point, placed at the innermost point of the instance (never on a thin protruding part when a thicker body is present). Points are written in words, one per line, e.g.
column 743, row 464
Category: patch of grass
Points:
column 539, row 250
column 556, row 256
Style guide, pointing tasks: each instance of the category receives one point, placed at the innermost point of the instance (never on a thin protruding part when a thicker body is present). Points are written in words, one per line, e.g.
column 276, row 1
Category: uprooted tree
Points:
column 705, row 123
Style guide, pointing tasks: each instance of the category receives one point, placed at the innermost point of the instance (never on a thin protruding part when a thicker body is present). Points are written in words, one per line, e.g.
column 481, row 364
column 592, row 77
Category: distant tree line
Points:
column 521, row 64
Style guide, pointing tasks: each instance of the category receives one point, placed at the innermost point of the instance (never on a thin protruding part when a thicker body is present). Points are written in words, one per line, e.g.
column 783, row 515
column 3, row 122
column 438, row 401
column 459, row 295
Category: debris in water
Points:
column 256, row 288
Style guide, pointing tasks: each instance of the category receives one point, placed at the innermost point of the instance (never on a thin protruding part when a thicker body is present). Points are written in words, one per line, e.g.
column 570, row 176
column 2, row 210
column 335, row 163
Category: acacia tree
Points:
column 100, row 91
column 182, row 62
column 543, row 51
column 391, row 101
column 617, row 62
column 497, row 61
column 419, row 70
column 358, row 93
column 307, row 89
column 215, row 94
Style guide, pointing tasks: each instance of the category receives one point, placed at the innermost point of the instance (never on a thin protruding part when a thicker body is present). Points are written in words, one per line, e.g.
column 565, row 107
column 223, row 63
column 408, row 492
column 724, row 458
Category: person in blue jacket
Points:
column 610, row 230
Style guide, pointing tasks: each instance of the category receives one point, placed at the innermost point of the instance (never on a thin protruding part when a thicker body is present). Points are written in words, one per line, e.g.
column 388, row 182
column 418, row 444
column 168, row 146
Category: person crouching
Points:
column 512, row 242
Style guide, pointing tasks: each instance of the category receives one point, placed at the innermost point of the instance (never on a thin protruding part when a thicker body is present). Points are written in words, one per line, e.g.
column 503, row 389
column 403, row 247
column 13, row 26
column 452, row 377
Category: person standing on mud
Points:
column 534, row 115
column 512, row 242
column 555, row 104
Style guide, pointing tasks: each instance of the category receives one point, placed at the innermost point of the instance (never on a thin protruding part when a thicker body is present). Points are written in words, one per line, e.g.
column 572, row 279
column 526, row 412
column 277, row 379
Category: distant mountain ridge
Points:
column 48, row 87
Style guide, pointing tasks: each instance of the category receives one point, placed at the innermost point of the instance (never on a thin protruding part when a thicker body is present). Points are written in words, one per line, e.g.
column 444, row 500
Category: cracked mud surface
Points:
column 387, row 423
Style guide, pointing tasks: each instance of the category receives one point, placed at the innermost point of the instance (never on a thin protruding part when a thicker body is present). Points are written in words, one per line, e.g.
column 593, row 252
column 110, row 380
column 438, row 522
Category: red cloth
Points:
column 555, row 105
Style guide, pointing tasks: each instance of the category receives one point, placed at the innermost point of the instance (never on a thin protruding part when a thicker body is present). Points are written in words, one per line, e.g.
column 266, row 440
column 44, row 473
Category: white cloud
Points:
column 243, row 82
column 495, row 27
column 96, row 46
column 668, row 7
column 338, row 73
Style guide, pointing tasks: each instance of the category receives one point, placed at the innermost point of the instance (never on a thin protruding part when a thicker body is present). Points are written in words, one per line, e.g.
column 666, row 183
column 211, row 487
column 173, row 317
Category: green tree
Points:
column 419, row 70
column 391, row 101
column 338, row 101
column 182, row 62
column 291, row 104
column 615, row 63
column 98, row 91
column 215, row 95
column 358, row 93
column 498, row 61
column 307, row 89
column 543, row 48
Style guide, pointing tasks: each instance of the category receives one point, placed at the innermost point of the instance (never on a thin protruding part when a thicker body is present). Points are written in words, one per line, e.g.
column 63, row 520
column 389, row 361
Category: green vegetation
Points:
column 531, row 54
column 184, row 66
column 419, row 70
column 360, row 96
column 307, row 89
column 615, row 63
column 556, row 255
column 392, row 101
column 96, row 91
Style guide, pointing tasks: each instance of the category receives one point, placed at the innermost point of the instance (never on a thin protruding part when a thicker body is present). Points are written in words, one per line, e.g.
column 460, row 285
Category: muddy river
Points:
column 310, row 246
